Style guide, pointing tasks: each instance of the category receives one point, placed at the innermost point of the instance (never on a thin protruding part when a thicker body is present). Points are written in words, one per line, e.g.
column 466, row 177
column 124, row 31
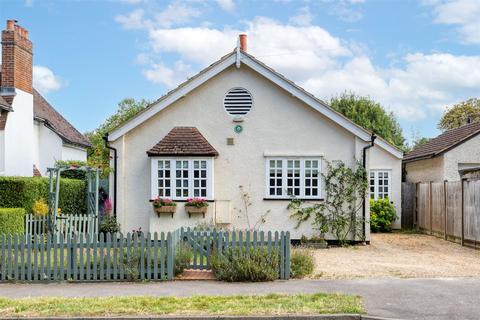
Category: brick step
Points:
column 192, row 274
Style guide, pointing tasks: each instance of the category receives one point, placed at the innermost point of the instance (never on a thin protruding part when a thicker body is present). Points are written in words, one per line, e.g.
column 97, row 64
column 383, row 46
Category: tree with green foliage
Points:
column 370, row 115
column 98, row 155
column 460, row 114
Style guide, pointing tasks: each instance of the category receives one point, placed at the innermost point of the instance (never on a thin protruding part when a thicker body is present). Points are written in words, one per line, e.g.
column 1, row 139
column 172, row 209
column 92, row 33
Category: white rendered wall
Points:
column 425, row 170
column 277, row 124
column 379, row 159
column 2, row 153
column 19, row 137
column 73, row 153
column 464, row 155
column 50, row 149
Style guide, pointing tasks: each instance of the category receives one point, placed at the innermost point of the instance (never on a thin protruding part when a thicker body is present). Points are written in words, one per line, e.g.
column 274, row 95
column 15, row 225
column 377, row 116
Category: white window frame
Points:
column 284, row 194
column 376, row 184
column 154, row 177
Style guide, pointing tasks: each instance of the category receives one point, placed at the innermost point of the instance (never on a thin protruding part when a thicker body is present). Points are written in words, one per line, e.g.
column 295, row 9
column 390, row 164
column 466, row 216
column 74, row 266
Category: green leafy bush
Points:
column 109, row 225
column 301, row 263
column 242, row 264
column 183, row 257
column 382, row 214
column 22, row 192
column 12, row 221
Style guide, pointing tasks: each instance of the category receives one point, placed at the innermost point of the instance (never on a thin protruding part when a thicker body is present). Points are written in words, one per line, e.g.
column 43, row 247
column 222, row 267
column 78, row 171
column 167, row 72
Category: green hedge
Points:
column 12, row 221
column 22, row 192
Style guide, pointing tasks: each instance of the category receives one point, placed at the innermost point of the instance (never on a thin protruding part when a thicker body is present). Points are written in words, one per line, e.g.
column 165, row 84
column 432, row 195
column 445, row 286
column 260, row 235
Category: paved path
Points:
column 453, row 298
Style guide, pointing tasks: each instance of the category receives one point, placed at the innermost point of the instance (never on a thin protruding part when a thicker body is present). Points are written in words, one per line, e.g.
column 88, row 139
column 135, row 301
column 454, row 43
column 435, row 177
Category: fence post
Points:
column 287, row 256
column 415, row 217
column 170, row 256
column 430, row 205
column 445, row 209
column 463, row 211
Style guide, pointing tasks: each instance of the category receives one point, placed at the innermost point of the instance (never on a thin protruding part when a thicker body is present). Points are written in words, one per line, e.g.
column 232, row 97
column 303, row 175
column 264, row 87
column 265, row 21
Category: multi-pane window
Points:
column 200, row 178
column 276, row 178
column 379, row 182
column 293, row 177
column 182, row 178
column 163, row 178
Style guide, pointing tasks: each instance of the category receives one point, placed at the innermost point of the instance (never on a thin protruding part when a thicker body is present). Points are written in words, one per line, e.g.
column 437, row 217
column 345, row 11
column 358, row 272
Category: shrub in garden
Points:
column 242, row 264
column 22, row 192
column 109, row 225
column 183, row 257
column 382, row 215
column 12, row 221
column 301, row 263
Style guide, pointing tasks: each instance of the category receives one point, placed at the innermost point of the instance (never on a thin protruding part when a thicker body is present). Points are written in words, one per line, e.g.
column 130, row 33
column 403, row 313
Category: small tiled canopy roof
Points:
column 443, row 142
column 183, row 141
column 44, row 111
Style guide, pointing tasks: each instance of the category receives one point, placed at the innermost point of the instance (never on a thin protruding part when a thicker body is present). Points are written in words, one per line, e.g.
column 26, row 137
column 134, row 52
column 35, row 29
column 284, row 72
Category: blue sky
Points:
column 415, row 57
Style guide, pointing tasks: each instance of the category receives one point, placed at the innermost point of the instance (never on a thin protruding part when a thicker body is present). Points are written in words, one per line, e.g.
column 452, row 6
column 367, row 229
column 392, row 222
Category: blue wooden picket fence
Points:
column 110, row 257
column 65, row 225
column 204, row 242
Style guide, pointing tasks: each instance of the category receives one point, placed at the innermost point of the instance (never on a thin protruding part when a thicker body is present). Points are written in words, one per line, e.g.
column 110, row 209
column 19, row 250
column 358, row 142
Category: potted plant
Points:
column 164, row 205
column 196, row 205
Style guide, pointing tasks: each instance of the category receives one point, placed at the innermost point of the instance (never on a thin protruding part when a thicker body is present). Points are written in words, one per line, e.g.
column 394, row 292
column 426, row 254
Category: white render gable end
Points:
column 239, row 59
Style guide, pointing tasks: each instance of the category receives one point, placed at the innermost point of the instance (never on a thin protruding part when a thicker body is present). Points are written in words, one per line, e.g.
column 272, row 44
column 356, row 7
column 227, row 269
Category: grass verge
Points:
column 272, row 304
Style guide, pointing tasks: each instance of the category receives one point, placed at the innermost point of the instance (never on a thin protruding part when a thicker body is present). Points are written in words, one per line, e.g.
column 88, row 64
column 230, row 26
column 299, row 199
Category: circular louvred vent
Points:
column 238, row 102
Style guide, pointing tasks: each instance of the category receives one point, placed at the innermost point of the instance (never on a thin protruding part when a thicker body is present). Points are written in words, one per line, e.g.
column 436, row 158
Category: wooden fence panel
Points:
column 423, row 206
column 471, row 198
column 409, row 192
column 454, row 209
column 438, row 207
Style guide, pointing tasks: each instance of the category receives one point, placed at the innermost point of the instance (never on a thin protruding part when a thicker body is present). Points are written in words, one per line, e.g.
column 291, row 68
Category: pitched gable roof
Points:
column 184, row 141
column 4, row 104
column 443, row 142
column 238, row 58
column 43, row 111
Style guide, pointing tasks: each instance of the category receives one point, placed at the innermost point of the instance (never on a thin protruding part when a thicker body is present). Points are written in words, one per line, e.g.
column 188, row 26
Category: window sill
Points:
column 151, row 200
column 289, row 199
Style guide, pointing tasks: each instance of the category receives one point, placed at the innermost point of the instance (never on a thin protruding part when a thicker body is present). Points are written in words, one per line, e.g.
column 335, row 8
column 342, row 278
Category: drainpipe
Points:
column 372, row 143
column 105, row 139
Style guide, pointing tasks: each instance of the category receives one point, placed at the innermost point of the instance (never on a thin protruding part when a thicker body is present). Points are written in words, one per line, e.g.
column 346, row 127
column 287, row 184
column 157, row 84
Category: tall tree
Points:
column 371, row 115
column 460, row 114
column 98, row 155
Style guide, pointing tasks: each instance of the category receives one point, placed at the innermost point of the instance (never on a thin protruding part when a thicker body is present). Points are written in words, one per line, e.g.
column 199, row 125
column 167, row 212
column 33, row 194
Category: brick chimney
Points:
column 243, row 42
column 17, row 57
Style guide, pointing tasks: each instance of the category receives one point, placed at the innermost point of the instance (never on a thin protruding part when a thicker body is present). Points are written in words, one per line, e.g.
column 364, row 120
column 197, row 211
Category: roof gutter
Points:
column 105, row 139
column 364, row 163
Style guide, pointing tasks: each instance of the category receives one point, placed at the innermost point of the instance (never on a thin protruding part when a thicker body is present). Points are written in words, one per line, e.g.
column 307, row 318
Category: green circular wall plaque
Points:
column 238, row 128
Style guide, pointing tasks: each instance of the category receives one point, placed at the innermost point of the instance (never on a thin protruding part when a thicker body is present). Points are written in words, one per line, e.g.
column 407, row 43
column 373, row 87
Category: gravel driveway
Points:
column 398, row 255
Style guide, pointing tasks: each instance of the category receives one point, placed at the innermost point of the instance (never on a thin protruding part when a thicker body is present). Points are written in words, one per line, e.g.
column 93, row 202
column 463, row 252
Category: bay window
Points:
column 182, row 178
column 293, row 177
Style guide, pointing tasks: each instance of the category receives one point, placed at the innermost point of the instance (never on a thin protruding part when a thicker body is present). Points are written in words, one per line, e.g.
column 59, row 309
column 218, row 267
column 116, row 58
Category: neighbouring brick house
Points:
column 446, row 157
column 33, row 135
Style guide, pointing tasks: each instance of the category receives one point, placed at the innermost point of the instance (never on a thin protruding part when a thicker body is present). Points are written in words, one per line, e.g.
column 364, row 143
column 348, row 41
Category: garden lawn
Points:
column 272, row 304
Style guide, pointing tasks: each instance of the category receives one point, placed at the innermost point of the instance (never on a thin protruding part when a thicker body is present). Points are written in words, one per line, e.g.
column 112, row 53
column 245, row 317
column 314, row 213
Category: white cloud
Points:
column 227, row 5
column 416, row 86
column 44, row 80
column 345, row 10
column 461, row 13
column 303, row 18
column 134, row 20
column 159, row 73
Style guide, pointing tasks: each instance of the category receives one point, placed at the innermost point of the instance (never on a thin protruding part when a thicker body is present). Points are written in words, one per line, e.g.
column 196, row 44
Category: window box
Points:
column 165, row 209
column 195, row 210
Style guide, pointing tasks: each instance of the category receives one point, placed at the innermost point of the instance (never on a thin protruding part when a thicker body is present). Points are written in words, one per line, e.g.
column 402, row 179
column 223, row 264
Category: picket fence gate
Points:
column 65, row 225
column 113, row 257
column 204, row 242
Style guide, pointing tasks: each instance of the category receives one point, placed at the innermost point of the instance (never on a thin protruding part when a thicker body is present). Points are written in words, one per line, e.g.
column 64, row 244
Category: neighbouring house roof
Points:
column 36, row 172
column 4, row 104
column 43, row 111
column 184, row 141
column 238, row 58
column 444, row 142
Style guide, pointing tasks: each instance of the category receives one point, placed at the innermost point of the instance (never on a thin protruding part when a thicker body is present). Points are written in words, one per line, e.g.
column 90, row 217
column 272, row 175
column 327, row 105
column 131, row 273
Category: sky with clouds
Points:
column 415, row 57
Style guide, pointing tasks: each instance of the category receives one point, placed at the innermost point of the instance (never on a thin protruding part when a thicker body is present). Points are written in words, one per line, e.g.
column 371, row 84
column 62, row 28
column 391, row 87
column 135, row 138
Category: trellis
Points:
column 93, row 176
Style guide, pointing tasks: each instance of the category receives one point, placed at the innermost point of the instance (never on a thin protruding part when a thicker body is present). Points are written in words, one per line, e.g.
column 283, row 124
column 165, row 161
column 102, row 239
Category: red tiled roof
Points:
column 36, row 172
column 44, row 111
column 183, row 141
column 444, row 142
